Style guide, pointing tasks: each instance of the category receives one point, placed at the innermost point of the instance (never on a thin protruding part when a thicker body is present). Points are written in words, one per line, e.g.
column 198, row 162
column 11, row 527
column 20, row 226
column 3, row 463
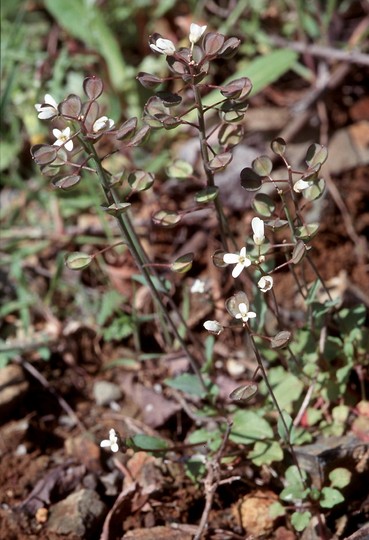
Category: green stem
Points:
column 140, row 256
column 223, row 228
column 276, row 404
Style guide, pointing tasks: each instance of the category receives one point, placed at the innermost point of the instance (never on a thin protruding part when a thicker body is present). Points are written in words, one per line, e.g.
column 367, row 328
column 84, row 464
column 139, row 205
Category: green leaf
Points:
column 288, row 391
column 331, row 497
column 293, row 493
column 286, row 436
column 306, row 232
column 250, row 180
column 210, row 439
column 248, row 427
column 85, row 21
column 207, row 195
column 146, row 442
column 315, row 191
column 276, row 510
column 183, row 264
column 188, row 384
column 110, row 302
column 300, row 520
column 140, row 180
column 316, row 155
column 244, row 392
column 265, row 453
column 180, row 169
column 340, row 477
column 263, row 204
column 351, row 318
column 78, row 260
column 166, row 219
column 262, row 165
column 116, row 209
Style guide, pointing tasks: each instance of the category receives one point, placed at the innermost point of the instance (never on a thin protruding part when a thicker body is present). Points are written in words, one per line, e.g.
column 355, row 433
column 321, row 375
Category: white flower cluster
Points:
column 167, row 47
column 112, row 442
column 49, row 109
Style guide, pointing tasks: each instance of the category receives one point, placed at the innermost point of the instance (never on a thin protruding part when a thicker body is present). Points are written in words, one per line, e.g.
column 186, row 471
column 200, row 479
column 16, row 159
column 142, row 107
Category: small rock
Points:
column 164, row 533
column 105, row 392
column 81, row 513
column 13, row 388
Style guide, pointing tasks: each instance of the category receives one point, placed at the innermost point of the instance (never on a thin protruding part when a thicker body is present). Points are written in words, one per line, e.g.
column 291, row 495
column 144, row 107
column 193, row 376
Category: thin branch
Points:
column 329, row 53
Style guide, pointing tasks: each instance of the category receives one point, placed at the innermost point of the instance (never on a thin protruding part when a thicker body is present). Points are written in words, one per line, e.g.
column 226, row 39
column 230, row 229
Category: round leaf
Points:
column 306, row 232
column 299, row 252
column 71, row 107
column 276, row 224
column 230, row 135
column 212, row 43
column 116, row 209
column 127, row 129
column 220, row 162
column 166, row 219
column 148, row 81
column 140, row 137
column 218, row 259
column 316, row 154
column 93, row 87
column 77, row 260
column 43, row 154
column 263, row 204
column 250, row 180
column 140, row 180
column 169, row 99
column 278, row 146
column 340, row 477
column 183, row 264
column 244, row 392
column 314, row 191
column 262, row 166
column 179, row 169
column 280, row 340
column 207, row 195
column 67, row 182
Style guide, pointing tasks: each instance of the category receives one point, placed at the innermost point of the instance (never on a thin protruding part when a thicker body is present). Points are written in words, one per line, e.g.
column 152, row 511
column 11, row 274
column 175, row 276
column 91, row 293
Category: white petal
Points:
column 57, row 133
column 196, row 32
column 51, row 101
column 257, row 225
column 69, row 146
column 213, row 326
column 237, row 270
column 251, row 314
column 300, row 185
column 105, row 443
column 231, row 258
column 66, row 132
column 114, row 447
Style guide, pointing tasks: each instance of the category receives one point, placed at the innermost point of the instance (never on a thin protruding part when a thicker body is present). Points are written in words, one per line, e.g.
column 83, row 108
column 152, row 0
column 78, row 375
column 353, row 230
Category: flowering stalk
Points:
column 139, row 254
column 223, row 228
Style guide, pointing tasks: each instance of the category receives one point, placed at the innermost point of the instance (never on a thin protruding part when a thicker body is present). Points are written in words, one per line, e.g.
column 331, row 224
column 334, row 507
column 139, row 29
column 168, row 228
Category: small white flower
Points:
column 47, row 109
column 62, row 138
column 244, row 312
column 163, row 46
column 198, row 286
column 265, row 283
column 196, row 32
column 301, row 185
column 112, row 442
column 102, row 124
column 257, row 225
column 213, row 327
column 239, row 259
